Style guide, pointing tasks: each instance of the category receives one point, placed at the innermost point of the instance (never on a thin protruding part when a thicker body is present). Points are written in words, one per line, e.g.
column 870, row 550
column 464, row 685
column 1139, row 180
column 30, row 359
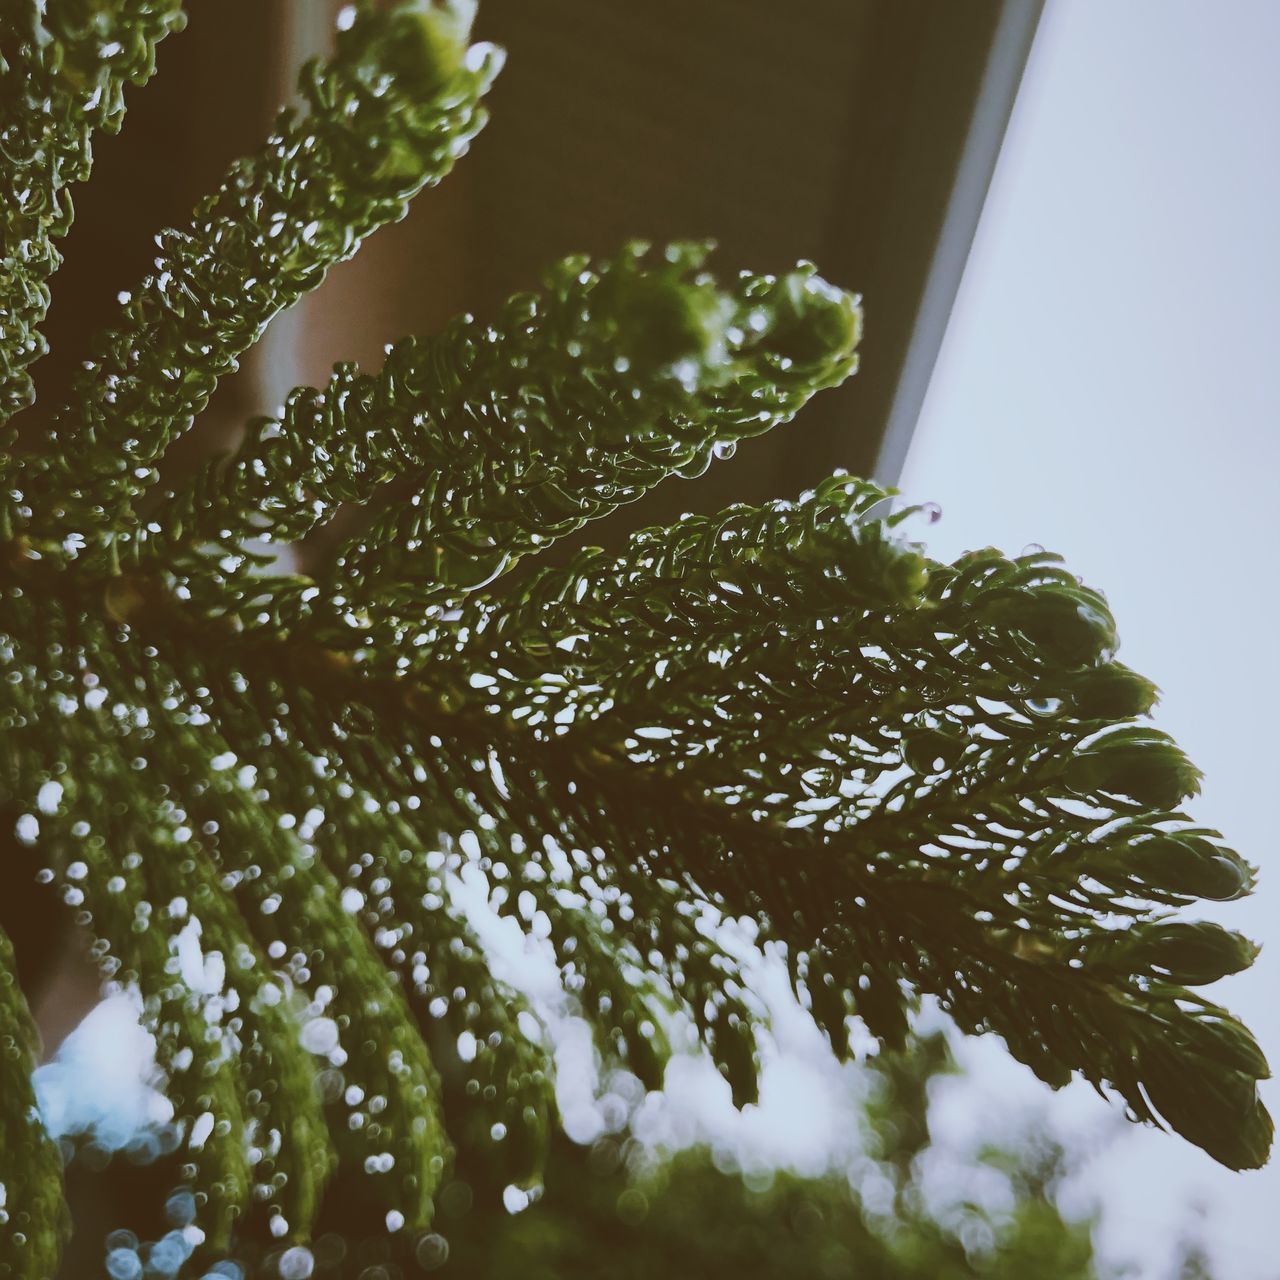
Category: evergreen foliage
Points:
column 911, row 777
column 62, row 76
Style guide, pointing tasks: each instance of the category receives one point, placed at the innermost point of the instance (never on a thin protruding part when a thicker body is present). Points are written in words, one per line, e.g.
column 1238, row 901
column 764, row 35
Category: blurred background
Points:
column 1062, row 221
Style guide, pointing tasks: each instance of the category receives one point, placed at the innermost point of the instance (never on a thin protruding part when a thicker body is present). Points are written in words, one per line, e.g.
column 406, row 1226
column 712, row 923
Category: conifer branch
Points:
column 34, row 1222
column 902, row 776
column 63, row 70
column 867, row 840
column 489, row 442
column 388, row 114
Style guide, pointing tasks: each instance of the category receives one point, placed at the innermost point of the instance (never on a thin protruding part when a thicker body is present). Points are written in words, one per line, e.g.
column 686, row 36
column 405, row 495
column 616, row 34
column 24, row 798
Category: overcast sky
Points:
column 1110, row 387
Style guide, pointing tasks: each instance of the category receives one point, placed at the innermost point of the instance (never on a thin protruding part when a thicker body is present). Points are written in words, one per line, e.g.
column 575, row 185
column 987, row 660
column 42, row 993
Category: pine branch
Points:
column 489, row 442
column 935, row 748
column 762, row 807
column 389, row 114
column 34, row 1222
column 299, row 915
column 902, row 776
column 63, row 70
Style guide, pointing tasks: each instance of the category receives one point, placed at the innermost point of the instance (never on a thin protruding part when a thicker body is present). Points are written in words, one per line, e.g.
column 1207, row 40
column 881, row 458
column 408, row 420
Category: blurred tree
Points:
column 1193, row 1259
column 618, row 1211
column 293, row 733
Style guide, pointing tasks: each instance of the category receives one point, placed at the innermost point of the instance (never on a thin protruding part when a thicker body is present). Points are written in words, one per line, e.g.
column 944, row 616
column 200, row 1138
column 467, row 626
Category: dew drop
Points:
column 124, row 1264
column 296, row 1263
column 1044, row 706
column 201, row 1130
column 168, row 1255
column 320, row 1035
column 49, row 797
column 432, row 1252
column 180, row 1208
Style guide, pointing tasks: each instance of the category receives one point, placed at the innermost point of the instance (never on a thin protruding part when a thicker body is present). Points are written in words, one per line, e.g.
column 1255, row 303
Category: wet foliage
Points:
column 272, row 799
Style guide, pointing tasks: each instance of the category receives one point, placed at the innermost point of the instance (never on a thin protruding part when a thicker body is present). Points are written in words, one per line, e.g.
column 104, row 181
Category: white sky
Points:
column 1109, row 387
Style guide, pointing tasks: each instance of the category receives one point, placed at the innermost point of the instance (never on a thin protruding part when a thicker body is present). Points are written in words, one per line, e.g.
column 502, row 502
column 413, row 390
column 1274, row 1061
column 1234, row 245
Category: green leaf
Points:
column 1142, row 764
column 1186, row 953
column 1189, row 864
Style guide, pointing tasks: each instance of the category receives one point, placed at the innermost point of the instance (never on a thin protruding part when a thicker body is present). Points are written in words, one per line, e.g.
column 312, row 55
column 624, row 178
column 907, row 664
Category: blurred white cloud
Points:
column 102, row 1082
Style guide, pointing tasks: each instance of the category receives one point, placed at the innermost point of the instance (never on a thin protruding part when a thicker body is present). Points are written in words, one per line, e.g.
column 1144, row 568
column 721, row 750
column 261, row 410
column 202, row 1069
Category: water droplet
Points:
column 201, row 1130
column 124, row 1264
column 514, row 1199
column 320, row 1035
column 49, row 797
column 1044, row 706
column 180, row 1208
column 296, row 1263
column 168, row 1255
column 432, row 1252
